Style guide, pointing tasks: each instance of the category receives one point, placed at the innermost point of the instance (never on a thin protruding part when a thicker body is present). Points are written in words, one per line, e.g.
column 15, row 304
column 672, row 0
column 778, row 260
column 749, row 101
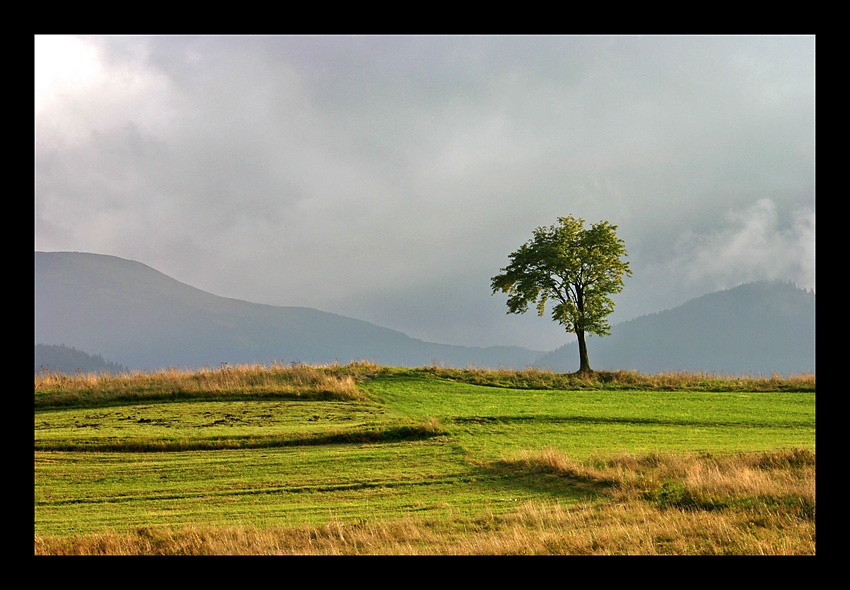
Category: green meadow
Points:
column 361, row 459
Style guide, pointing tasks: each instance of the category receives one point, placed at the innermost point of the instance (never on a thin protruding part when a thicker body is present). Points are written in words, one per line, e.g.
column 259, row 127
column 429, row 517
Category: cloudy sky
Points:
column 388, row 178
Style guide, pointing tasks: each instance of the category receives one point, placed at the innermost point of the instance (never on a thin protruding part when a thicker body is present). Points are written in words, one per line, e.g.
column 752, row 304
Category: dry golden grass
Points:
column 325, row 381
column 741, row 504
column 669, row 381
column 341, row 380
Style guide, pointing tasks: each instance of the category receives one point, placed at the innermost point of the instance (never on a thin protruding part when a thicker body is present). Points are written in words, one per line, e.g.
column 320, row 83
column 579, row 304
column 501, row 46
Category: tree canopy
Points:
column 577, row 268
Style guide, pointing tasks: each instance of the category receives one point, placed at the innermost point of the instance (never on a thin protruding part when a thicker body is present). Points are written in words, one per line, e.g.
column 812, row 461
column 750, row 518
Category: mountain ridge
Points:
column 137, row 317
column 765, row 327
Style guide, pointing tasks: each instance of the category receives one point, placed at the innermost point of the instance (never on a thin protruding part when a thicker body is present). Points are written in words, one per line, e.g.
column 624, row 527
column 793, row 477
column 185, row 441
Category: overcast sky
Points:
column 388, row 178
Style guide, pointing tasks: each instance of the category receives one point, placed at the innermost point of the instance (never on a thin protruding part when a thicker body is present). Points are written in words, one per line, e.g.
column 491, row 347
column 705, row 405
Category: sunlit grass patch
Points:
column 276, row 461
column 760, row 515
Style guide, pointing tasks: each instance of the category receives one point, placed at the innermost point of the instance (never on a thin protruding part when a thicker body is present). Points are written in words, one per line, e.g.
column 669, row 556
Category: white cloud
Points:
column 752, row 246
column 63, row 64
column 78, row 94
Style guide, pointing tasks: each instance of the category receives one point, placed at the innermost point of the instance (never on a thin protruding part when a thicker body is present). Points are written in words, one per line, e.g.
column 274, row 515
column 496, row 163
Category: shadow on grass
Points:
column 520, row 478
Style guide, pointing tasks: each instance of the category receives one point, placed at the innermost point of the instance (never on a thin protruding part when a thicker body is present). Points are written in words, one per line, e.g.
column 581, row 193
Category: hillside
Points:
column 753, row 329
column 65, row 359
column 132, row 315
column 138, row 317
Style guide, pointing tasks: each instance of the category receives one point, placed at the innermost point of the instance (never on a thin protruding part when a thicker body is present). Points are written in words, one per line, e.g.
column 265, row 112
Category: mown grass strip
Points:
column 384, row 434
column 92, row 399
column 645, row 421
column 657, row 504
column 630, row 464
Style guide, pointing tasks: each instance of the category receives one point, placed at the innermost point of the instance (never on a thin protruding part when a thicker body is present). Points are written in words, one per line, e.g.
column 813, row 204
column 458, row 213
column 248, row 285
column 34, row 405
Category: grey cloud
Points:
column 389, row 177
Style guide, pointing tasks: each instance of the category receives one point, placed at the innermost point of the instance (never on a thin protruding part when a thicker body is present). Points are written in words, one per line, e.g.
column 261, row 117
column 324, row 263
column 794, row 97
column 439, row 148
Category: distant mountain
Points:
column 104, row 307
column 142, row 319
column 66, row 359
column 754, row 329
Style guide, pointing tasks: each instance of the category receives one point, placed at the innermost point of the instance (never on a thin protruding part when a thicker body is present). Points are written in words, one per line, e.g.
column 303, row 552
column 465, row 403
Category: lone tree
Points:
column 577, row 268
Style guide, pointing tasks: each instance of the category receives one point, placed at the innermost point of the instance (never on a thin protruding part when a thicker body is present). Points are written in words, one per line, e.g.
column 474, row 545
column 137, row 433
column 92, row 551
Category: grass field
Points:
column 360, row 459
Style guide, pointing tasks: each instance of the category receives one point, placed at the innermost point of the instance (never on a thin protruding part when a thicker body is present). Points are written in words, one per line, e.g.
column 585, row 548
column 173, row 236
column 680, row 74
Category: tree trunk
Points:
column 584, row 363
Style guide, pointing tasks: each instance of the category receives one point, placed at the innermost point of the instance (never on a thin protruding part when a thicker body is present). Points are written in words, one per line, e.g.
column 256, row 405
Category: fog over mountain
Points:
column 133, row 315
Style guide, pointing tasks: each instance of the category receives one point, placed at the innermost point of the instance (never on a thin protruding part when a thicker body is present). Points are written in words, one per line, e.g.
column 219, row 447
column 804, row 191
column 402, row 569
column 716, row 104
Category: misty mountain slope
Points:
column 64, row 359
column 753, row 329
column 138, row 317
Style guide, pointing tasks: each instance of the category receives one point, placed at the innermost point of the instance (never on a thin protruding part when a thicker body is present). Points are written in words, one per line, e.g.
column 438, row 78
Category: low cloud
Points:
column 754, row 245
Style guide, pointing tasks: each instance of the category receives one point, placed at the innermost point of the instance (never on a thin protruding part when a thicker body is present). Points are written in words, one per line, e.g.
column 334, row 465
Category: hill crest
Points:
column 137, row 317
column 759, row 328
